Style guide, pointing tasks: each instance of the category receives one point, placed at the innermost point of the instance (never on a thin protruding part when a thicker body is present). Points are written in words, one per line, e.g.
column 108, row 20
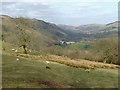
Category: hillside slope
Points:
column 90, row 27
column 28, row 73
column 90, row 31
column 22, row 71
column 41, row 33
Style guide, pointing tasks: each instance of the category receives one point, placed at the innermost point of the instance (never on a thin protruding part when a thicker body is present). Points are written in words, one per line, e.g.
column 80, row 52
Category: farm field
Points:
column 82, row 45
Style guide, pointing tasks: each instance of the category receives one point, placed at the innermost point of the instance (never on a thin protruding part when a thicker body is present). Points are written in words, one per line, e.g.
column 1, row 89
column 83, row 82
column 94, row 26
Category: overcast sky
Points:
column 64, row 12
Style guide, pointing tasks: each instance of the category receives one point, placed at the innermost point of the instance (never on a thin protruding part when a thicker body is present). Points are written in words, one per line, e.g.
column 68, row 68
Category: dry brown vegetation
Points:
column 67, row 61
column 72, row 53
column 107, row 49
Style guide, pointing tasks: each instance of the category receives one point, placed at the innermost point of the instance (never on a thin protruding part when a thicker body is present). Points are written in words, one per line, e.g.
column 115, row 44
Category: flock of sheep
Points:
column 47, row 67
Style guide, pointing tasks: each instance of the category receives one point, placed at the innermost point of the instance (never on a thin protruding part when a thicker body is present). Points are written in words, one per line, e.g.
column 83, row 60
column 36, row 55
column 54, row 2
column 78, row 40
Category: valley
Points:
column 39, row 54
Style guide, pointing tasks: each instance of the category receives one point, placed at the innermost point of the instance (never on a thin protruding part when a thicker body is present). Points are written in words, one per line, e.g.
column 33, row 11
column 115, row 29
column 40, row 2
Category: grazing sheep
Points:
column 47, row 62
column 17, row 59
column 16, row 50
column 13, row 49
column 88, row 70
column 48, row 67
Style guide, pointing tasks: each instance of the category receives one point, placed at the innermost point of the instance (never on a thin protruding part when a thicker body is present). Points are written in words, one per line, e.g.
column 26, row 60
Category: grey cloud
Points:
column 55, row 13
column 29, row 9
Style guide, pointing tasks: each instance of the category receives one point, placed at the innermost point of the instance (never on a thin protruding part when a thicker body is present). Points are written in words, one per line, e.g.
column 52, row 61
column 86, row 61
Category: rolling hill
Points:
column 90, row 31
column 30, row 70
column 90, row 28
column 42, row 33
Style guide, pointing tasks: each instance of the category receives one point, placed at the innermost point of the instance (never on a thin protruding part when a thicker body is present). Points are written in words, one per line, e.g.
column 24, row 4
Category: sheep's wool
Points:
column 17, row 59
column 47, row 62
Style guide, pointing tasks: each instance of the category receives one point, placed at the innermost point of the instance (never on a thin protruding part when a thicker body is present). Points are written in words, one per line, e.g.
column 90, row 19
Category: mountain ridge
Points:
column 45, row 32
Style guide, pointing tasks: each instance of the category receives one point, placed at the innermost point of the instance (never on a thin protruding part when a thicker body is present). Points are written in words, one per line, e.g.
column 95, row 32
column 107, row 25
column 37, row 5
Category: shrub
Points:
column 107, row 49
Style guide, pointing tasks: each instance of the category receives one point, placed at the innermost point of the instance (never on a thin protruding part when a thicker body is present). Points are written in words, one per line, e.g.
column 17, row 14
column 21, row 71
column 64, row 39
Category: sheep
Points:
column 13, row 49
column 17, row 59
column 48, row 67
column 47, row 62
column 16, row 50
column 88, row 70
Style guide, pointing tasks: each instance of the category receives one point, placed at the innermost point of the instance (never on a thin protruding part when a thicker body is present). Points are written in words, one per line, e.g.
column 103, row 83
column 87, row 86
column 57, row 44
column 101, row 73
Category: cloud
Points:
column 96, row 7
column 32, row 10
column 108, row 13
column 83, row 4
column 59, row 12
column 60, row 0
column 28, row 9
column 105, row 0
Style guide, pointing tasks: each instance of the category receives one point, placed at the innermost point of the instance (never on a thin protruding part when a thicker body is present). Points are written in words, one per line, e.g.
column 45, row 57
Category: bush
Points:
column 107, row 49
column 71, row 52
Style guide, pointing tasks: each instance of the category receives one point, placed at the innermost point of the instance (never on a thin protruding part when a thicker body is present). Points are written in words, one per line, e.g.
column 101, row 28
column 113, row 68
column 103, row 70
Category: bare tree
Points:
column 108, row 48
column 23, row 38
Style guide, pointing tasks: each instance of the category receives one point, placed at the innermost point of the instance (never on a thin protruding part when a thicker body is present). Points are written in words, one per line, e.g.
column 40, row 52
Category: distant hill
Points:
column 95, row 28
column 90, row 31
column 43, row 34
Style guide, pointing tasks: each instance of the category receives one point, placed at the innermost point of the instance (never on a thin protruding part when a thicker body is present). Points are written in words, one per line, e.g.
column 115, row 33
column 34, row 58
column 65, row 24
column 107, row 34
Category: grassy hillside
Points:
column 42, row 43
column 40, row 33
column 91, row 28
column 33, row 74
column 90, row 31
column 44, row 33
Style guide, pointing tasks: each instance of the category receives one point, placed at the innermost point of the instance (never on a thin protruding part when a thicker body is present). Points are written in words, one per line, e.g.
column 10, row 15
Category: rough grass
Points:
column 67, row 61
column 20, row 73
column 33, row 68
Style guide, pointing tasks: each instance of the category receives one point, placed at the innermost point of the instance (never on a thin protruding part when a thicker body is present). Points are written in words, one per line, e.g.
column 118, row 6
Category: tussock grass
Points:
column 34, row 57
column 86, row 64
column 67, row 61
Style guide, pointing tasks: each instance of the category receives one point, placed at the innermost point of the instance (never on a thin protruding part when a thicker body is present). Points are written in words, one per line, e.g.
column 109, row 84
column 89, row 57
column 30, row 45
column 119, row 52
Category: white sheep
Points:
column 88, row 70
column 47, row 67
column 47, row 62
column 17, row 59
column 13, row 49
column 16, row 50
